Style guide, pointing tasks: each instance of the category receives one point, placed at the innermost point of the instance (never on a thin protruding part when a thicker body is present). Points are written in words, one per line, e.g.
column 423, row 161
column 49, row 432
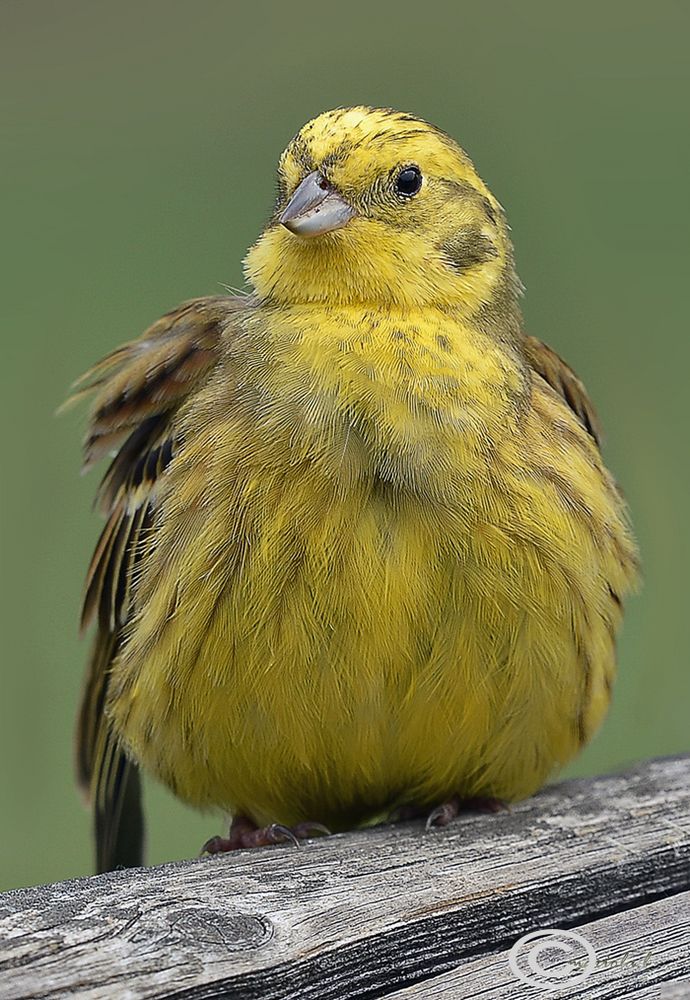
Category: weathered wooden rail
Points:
column 392, row 912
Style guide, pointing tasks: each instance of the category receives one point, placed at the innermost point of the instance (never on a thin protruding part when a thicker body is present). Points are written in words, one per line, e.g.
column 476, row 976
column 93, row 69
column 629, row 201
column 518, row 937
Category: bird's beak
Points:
column 316, row 208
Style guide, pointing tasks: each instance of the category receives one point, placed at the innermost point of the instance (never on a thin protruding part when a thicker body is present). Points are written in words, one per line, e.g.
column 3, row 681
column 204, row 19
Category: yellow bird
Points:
column 361, row 551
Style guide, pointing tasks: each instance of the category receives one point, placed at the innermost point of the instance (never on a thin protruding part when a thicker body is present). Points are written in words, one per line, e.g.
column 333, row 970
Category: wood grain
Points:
column 382, row 912
column 644, row 952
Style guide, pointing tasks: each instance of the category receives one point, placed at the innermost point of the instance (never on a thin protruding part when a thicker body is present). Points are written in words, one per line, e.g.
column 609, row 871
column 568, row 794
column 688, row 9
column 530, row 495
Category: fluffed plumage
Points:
column 361, row 548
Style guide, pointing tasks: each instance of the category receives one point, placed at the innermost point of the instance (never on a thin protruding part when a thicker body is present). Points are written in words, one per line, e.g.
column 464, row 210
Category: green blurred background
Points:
column 139, row 147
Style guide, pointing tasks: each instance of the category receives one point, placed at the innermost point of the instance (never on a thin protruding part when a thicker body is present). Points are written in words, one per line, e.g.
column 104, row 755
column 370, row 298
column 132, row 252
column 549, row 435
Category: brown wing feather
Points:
column 136, row 391
column 560, row 376
column 152, row 374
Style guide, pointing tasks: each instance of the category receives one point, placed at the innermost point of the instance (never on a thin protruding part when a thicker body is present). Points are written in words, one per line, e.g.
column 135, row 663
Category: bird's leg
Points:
column 244, row 833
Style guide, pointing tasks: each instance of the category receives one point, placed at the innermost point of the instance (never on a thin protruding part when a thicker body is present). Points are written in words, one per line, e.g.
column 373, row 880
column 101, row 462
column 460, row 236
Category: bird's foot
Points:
column 447, row 811
column 244, row 833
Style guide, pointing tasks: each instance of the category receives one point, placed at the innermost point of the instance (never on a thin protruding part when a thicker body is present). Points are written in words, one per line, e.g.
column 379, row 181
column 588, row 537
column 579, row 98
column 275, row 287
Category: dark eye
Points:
column 409, row 181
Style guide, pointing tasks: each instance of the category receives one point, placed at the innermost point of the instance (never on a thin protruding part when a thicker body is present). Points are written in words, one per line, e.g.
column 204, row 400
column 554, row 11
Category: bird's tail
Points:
column 109, row 779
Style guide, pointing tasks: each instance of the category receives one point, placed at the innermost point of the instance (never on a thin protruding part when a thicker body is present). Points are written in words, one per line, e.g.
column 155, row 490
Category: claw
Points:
column 216, row 845
column 276, row 833
column 307, row 828
column 443, row 814
column 447, row 811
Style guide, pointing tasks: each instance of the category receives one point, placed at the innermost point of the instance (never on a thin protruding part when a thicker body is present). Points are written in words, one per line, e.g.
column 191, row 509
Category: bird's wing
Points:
column 135, row 393
column 565, row 382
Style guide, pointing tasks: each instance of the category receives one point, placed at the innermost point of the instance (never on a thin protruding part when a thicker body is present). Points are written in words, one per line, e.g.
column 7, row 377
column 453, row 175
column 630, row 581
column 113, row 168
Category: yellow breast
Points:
column 382, row 572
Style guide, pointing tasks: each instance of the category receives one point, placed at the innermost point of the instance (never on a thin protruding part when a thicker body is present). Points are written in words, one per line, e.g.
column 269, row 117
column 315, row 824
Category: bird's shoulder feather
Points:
column 544, row 361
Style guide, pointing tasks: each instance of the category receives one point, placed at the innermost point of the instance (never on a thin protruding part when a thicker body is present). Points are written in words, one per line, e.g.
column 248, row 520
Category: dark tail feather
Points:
column 118, row 815
column 110, row 782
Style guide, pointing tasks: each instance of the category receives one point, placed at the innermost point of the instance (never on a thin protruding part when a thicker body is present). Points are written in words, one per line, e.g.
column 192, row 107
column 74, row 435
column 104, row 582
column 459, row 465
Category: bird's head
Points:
column 375, row 206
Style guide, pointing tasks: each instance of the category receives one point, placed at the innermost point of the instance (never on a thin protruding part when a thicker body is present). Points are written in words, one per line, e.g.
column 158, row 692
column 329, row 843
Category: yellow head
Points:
column 375, row 206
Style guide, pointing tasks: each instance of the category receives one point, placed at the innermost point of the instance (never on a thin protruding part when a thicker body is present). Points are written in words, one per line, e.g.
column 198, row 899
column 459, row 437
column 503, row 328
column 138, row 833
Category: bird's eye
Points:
column 409, row 181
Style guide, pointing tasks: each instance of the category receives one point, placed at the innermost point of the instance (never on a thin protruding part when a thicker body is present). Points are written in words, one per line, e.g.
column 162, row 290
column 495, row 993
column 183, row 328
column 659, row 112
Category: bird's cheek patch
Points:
column 468, row 248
